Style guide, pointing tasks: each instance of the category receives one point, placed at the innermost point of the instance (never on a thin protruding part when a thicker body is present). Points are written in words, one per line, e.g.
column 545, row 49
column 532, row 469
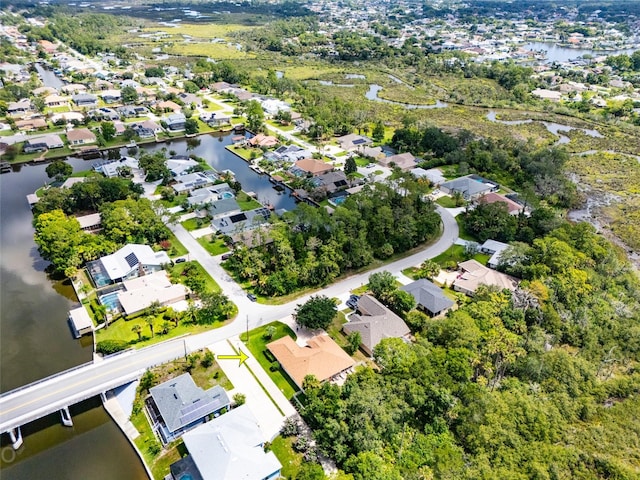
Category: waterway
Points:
column 372, row 94
column 36, row 341
column 556, row 53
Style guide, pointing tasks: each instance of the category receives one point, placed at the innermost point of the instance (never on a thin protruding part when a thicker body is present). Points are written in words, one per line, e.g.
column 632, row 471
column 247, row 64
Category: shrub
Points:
column 290, row 428
column 275, row 366
column 107, row 347
column 208, row 359
column 239, row 399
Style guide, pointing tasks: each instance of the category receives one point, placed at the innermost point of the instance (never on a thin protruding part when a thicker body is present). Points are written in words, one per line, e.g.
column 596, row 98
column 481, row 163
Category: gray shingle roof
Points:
column 428, row 295
column 181, row 402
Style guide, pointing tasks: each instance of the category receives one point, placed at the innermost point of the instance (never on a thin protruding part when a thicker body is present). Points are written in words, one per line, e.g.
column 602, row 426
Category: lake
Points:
column 556, row 53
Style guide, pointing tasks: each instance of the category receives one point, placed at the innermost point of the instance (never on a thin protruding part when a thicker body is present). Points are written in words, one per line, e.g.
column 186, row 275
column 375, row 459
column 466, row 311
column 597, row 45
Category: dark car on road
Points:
column 181, row 260
column 252, row 297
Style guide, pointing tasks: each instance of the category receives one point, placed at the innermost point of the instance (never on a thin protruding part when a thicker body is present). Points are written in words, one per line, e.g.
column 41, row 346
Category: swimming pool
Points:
column 110, row 300
column 227, row 195
column 338, row 200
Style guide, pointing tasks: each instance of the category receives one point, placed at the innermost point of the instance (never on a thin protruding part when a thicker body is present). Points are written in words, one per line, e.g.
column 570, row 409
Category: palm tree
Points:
column 191, row 313
column 137, row 329
column 150, row 320
column 101, row 313
column 166, row 326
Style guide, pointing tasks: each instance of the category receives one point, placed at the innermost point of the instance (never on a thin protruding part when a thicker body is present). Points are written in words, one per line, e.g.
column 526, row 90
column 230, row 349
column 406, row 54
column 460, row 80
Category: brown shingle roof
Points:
column 313, row 166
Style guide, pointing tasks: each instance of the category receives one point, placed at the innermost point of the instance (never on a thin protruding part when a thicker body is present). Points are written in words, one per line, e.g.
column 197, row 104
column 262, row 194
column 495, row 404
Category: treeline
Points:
column 61, row 240
column 532, row 169
column 529, row 384
column 311, row 248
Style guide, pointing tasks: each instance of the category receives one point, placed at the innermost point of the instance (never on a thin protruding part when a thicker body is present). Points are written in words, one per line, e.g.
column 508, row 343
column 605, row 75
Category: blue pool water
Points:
column 110, row 300
column 227, row 195
column 338, row 200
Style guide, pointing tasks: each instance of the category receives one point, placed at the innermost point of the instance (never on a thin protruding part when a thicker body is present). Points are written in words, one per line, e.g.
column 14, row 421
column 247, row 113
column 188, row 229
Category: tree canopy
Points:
column 316, row 313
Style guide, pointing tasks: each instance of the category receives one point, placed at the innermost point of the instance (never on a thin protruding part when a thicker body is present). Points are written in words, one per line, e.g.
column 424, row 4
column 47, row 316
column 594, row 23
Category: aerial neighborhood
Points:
column 329, row 240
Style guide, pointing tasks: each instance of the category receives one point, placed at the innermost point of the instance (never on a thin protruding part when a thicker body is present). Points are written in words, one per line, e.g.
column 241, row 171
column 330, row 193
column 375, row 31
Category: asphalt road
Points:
column 36, row 400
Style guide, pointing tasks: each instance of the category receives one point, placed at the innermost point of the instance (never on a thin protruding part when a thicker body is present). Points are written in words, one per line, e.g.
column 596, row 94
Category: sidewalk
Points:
column 261, row 405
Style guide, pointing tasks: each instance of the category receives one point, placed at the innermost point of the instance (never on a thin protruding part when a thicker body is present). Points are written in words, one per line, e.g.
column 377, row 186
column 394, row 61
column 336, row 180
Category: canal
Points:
column 35, row 339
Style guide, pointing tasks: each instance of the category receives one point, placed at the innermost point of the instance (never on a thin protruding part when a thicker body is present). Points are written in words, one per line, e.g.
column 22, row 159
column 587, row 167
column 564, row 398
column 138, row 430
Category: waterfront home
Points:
column 191, row 181
column 40, row 144
column 310, row 167
column 234, row 223
column 214, row 119
column 221, row 207
column 130, row 261
column 213, row 193
column 181, row 166
column 178, row 405
column 261, row 140
column 80, row 136
column 287, row 153
column 229, row 447
column 331, row 182
column 475, row 274
column 91, row 223
column 175, row 122
column 374, row 321
column 114, row 168
column 141, row 292
column 429, row 297
column 85, row 100
column 321, row 357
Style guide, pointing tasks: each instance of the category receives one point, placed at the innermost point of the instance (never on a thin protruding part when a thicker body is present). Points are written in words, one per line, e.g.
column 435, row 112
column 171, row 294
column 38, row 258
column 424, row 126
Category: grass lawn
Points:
column 455, row 253
column 464, row 234
column 257, row 346
column 214, row 248
column 279, row 126
column 195, row 223
column 336, row 333
column 177, row 200
column 245, row 153
column 290, row 460
column 175, row 273
column 246, row 202
column 176, row 249
column 446, row 202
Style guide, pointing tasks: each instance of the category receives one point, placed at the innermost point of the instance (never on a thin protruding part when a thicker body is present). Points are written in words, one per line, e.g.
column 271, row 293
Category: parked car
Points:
column 353, row 302
column 181, row 260
column 252, row 297
column 226, row 256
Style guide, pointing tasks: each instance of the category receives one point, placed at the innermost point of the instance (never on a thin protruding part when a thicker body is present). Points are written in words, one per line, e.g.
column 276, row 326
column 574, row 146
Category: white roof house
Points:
column 126, row 262
column 141, row 292
column 81, row 321
column 229, row 447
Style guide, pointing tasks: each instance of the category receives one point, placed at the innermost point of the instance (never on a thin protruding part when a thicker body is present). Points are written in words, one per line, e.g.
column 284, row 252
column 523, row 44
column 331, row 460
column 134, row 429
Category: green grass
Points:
column 290, row 460
column 195, row 223
column 214, row 248
column 456, row 254
column 246, row 202
column 177, row 200
column 446, row 202
column 175, row 273
column 245, row 153
column 284, row 128
column 463, row 233
column 257, row 345
column 176, row 249
column 335, row 332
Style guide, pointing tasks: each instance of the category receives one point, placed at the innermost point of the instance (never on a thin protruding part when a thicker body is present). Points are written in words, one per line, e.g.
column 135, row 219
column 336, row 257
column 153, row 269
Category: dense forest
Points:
column 511, row 385
column 311, row 248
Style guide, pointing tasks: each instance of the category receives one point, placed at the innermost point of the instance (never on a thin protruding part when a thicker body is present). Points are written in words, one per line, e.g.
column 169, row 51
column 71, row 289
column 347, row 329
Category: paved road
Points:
column 34, row 401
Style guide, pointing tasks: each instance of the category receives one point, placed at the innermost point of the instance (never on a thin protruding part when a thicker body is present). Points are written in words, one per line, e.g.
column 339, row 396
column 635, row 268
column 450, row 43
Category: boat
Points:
column 239, row 127
column 5, row 167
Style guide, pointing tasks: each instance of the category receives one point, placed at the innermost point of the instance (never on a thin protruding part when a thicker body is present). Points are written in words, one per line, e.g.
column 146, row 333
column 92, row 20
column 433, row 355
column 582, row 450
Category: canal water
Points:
column 35, row 339
column 556, row 53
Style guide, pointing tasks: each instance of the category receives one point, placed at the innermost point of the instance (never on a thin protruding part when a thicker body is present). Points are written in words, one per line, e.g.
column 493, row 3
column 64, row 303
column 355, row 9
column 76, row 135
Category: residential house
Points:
column 321, row 357
column 68, row 117
column 354, row 142
column 127, row 111
column 181, row 166
column 190, row 181
column 213, row 193
column 190, row 98
column 141, row 292
column 434, row 175
column 229, row 447
column 429, row 297
column 261, row 140
column 375, row 322
column 48, row 46
column 85, row 100
column 44, row 91
column 80, row 136
column 73, row 88
column 272, row 106
column 31, row 124
column 80, row 321
column 55, row 100
column 239, row 222
column 176, row 122
column 168, row 106
column 221, row 207
column 495, row 249
column 546, row 94
column 40, row 144
column 111, row 96
column 287, row 153
column 222, row 87
column 178, row 405
column 113, row 169
column 404, row 161
column 475, row 274
column 130, row 261
column 375, row 153
column 214, row 119
column 492, row 197
column 311, row 167
column 331, row 182
column 471, row 187
column 151, row 126
column 90, row 223
column 20, row 108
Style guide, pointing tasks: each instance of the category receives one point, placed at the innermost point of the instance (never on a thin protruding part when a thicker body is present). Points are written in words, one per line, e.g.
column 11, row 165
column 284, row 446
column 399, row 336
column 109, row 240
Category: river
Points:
column 36, row 340
column 556, row 53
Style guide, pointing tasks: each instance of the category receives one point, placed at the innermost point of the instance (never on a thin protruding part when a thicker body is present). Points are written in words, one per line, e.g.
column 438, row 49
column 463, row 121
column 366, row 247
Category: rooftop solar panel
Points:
column 237, row 218
column 359, row 141
column 131, row 259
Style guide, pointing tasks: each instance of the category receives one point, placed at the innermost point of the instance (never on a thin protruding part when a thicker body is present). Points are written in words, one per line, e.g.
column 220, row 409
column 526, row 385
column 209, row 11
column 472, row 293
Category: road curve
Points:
column 34, row 401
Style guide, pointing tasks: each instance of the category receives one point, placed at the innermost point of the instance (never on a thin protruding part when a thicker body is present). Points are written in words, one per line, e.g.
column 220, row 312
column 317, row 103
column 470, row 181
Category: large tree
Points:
column 59, row 169
column 108, row 131
column 316, row 313
column 382, row 285
column 255, row 116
